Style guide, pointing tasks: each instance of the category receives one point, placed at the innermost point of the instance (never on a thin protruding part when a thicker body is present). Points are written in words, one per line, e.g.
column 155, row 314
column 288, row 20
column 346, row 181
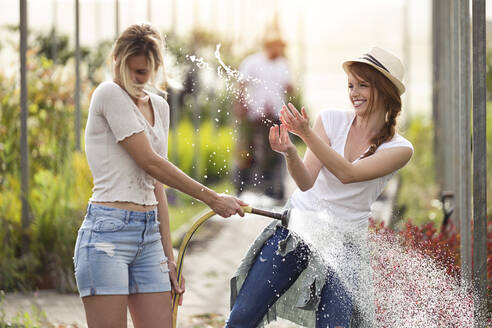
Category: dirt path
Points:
column 210, row 264
column 211, row 259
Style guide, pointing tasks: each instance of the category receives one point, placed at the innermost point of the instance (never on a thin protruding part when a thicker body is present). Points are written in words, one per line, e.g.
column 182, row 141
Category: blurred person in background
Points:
column 123, row 254
column 264, row 86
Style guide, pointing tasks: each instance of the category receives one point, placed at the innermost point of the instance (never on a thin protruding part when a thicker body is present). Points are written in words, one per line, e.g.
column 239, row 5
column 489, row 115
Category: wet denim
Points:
column 119, row 252
column 272, row 274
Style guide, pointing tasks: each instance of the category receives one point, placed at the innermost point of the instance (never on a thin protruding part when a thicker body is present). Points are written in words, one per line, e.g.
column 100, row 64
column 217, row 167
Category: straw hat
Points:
column 272, row 34
column 385, row 62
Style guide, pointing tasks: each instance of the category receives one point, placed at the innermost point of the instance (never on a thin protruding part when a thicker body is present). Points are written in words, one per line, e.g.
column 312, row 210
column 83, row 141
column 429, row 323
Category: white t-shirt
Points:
column 266, row 83
column 113, row 116
column 351, row 202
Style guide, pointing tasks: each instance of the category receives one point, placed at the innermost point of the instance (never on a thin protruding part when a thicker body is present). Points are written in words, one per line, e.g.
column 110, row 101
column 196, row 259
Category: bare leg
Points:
column 106, row 311
column 151, row 310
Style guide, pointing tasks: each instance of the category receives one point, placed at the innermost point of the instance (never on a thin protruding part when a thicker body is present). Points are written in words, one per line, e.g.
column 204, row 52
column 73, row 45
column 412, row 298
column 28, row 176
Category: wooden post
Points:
column 23, row 123
column 446, row 113
column 479, row 163
column 436, row 72
column 464, row 163
column 460, row 129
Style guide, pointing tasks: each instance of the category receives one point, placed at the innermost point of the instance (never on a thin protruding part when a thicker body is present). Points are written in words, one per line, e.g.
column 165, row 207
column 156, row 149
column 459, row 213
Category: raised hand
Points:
column 279, row 139
column 295, row 122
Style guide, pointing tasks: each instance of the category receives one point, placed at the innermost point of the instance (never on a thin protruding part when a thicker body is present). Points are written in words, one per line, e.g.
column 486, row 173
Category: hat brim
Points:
column 274, row 41
column 398, row 84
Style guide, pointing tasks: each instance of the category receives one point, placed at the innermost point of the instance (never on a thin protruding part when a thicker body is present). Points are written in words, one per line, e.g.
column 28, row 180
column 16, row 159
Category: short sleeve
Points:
column 397, row 141
column 116, row 107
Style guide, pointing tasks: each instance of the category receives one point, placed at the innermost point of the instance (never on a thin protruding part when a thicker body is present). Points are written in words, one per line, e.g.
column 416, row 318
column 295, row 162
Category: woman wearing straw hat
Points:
column 123, row 253
column 350, row 157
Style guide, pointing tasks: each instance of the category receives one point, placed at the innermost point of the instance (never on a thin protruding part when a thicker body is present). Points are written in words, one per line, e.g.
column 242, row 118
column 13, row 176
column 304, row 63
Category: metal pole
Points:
column 54, row 44
column 215, row 19
column 301, row 45
column 195, row 22
column 452, row 126
column 116, row 19
column 479, row 163
column 446, row 100
column 97, row 20
column 463, row 199
column 77, row 77
column 174, row 16
column 406, row 56
column 149, row 11
column 23, row 137
column 436, row 65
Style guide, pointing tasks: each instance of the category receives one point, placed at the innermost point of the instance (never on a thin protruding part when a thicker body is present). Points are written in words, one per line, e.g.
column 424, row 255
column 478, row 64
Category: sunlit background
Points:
column 320, row 34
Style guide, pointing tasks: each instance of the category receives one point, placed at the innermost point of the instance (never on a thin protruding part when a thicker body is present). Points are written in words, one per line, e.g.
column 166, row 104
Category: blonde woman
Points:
column 350, row 157
column 123, row 254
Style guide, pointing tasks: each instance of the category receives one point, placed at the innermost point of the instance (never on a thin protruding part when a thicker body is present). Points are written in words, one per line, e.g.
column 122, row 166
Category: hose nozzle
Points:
column 283, row 217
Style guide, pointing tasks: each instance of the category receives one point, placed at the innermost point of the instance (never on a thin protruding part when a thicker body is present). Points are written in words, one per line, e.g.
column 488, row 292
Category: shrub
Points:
column 206, row 153
column 418, row 186
column 441, row 246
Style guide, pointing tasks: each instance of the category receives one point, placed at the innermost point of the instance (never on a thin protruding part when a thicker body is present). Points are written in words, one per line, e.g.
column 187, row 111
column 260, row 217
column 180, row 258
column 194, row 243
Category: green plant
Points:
column 58, row 211
column 60, row 179
column 205, row 153
column 488, row 77
column 440, row 245
column 34, row 319
column 489, row 154
column 418, row 186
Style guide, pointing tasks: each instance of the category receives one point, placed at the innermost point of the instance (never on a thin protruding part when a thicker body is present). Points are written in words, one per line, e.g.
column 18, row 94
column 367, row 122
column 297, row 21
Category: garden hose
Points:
column 184, row 244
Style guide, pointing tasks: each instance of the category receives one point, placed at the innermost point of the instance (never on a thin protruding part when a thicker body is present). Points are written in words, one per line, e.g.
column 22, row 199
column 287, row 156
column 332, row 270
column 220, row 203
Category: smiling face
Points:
column 360, row 94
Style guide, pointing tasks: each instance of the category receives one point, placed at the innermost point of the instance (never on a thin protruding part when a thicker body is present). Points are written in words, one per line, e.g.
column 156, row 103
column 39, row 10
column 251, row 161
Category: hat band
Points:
column 373, row 60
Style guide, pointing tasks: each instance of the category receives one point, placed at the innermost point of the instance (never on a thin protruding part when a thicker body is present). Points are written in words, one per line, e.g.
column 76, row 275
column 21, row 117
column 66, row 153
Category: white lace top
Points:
column 113, row 116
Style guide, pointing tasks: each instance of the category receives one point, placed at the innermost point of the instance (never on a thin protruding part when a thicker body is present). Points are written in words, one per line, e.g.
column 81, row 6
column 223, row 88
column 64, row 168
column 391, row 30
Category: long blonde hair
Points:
column 137, row 40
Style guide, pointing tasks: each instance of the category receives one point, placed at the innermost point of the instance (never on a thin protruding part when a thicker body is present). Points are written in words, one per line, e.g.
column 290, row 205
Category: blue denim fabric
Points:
column 119, row 252
column 272, row 274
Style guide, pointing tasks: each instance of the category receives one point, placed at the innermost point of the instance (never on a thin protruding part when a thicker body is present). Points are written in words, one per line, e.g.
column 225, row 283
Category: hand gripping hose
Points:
column 184, row 244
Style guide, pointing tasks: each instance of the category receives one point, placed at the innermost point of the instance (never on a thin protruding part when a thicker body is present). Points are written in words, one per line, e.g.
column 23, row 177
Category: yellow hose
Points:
column 182, row 249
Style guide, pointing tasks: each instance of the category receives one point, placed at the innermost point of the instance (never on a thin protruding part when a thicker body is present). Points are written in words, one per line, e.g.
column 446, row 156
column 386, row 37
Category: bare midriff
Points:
column 128, row 206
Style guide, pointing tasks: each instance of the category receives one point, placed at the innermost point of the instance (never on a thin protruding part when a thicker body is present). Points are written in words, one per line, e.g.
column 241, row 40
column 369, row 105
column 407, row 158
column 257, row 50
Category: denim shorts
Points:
column 119, row 252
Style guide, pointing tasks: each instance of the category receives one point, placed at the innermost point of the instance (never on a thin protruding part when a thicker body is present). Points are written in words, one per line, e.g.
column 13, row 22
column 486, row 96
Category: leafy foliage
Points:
column 60, row 179
column 418, row 187
column 443, row 246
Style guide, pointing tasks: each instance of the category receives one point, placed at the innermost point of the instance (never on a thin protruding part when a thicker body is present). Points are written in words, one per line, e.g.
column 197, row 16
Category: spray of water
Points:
column 400, row 287
column 232, row 77
column 225, row 77
column 394, row 286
